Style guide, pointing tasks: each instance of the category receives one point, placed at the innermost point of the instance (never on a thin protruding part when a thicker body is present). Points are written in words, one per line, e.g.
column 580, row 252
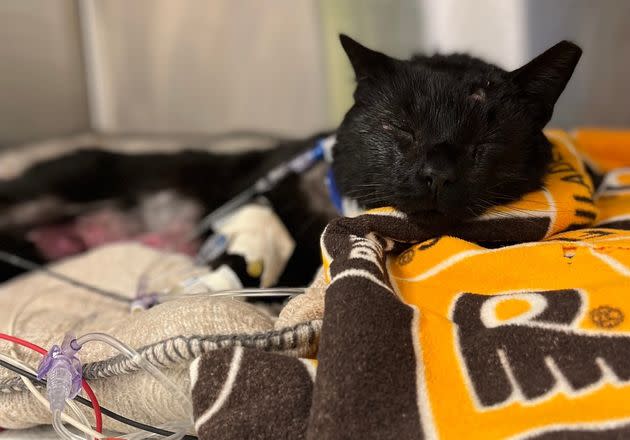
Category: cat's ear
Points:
column 365, row 62
column 543, row 79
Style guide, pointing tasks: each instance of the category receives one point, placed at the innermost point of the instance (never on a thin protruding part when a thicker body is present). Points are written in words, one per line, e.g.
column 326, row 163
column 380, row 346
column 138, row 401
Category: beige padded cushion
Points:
column 305, row 308
column 51, row 308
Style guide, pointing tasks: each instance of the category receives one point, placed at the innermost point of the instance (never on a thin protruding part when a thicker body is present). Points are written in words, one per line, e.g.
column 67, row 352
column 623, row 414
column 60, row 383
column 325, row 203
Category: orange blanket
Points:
column 453, row 340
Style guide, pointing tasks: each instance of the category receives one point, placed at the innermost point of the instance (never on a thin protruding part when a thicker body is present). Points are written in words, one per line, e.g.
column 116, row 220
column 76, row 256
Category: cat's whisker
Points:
column 507, row 215
column 370, row 195
column 503, row 214
column 361, row 192
column 501, row 197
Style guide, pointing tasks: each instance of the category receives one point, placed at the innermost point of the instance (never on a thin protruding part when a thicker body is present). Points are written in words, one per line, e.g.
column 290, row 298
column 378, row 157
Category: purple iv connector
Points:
column 63, row 373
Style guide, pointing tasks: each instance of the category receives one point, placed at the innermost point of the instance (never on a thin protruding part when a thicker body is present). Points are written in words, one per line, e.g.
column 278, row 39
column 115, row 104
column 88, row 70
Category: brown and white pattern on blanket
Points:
column 370, row 358
column 401, row 343
column 241, row 393
column 367, row 375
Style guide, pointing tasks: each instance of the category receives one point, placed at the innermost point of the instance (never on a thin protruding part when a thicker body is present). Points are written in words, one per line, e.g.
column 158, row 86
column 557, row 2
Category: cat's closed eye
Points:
column 477, row 151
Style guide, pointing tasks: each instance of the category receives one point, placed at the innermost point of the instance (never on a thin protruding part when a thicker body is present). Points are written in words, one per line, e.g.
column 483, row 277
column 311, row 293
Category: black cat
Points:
column 441, row 138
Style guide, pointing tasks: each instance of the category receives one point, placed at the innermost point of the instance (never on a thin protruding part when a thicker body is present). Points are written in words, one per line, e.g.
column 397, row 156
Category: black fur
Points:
column 445, row 137
column 442, row 138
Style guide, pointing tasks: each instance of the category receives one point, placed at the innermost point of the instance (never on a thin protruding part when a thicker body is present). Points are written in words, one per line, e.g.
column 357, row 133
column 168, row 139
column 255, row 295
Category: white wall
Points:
column 205, row 66
column 42, row 86
column 511, row 32
column 492, row 29
column 165, row 66
column 599, row 92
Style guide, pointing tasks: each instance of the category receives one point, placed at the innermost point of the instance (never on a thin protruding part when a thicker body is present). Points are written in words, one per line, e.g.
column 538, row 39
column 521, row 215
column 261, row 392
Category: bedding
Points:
column 514, row 327
column 463, row 336
column 42, row 310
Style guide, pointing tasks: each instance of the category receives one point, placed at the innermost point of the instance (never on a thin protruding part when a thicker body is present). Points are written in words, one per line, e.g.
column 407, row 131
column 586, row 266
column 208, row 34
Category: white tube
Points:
column 81, row 424
column 136, row 358
column 61, row 430
column 180, row 430
column 142, row 363
column 79, row 415
column 248, row 293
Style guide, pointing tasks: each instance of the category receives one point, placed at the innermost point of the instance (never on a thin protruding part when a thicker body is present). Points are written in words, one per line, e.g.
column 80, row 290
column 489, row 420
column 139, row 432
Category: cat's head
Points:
column 443, row 138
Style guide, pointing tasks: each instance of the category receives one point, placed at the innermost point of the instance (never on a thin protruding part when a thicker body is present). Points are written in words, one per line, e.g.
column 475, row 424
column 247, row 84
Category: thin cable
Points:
column 211, row 220
column 60, row 428
column 29, row 265
column 24, row 343
column 79, row 415
column 143, row 363
column 23, row 263
column 29, row 376
column 98, row 421
column 82, row 424
column 130, row 422
column 95, row 405
column 135, row 357
column 83, row 401
column 270, row 292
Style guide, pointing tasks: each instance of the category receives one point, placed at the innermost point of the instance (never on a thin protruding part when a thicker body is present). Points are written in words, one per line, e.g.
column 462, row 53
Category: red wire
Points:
column 24, row 343
column 98, row 417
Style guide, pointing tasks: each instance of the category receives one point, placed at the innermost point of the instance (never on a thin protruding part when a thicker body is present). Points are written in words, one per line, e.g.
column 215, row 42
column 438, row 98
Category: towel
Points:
column 461, row 336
